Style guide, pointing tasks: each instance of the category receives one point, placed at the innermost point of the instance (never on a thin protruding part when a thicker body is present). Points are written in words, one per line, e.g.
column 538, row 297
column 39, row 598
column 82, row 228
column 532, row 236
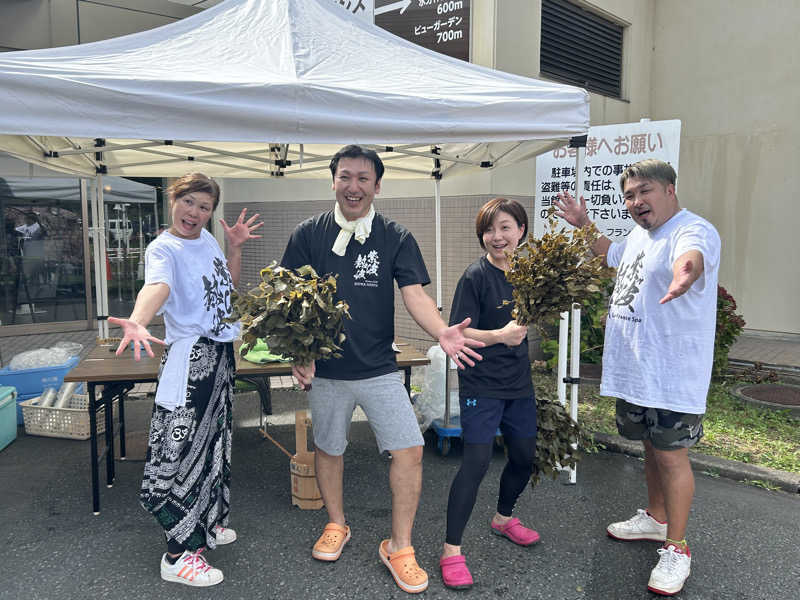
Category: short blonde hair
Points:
column 651, row 168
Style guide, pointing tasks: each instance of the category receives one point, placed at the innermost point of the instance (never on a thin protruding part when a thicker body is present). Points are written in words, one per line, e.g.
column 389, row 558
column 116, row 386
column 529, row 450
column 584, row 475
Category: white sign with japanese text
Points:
column 610, row 149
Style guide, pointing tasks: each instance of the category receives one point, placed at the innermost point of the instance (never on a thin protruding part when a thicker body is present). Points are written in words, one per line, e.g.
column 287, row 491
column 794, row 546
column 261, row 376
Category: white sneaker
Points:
column 225, row 535
column 671, row 572
column 190, row 569
column 641, row 526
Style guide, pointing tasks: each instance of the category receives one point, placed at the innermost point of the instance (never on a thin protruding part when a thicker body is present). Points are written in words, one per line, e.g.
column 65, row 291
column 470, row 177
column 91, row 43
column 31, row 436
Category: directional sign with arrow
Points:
column 440, row 25
column 402, row 5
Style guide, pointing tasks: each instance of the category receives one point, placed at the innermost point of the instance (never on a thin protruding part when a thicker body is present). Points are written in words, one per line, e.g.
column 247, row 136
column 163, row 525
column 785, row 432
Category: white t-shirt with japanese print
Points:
column 199, row 301
column 660, row 355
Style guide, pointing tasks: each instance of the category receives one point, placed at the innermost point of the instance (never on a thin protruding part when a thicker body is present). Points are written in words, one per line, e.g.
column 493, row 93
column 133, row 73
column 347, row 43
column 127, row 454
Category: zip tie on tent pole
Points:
column 437, row 164
column 578, row 141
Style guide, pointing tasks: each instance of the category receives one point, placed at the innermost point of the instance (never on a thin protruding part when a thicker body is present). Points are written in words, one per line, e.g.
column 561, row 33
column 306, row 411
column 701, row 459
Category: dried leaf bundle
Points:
column 549, row 274
column 556, row 433
column 294, row 312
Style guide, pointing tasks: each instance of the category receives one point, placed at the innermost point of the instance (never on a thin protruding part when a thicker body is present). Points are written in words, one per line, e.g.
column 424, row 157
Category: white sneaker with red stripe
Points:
column 225, row 535
column 190, row 569
column 671, row 572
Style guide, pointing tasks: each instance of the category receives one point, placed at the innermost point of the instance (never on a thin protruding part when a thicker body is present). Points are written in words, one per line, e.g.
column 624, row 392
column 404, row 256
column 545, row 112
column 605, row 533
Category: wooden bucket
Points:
column 305, row 491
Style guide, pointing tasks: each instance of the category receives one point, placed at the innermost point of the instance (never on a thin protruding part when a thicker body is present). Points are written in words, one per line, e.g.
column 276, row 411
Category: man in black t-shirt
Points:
column 369, row 252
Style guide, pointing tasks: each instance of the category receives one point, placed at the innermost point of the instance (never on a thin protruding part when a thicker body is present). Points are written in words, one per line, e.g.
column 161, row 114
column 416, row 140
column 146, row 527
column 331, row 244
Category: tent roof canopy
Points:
column 271, row 87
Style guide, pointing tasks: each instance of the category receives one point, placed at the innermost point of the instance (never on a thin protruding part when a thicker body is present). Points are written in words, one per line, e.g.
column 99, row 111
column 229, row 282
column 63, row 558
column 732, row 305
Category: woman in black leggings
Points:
column 496, row 392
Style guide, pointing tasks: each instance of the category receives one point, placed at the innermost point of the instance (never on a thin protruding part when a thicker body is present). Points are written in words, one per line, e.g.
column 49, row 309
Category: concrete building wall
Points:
column 32, row 24
column 729, row 69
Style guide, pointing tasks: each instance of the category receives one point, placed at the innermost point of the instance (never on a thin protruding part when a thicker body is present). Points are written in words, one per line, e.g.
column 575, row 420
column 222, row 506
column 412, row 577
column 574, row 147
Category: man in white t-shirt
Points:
column 659, row 347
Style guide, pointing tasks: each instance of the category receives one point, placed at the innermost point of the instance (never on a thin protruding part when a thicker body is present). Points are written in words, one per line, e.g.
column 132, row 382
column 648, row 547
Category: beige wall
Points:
column 729, row 69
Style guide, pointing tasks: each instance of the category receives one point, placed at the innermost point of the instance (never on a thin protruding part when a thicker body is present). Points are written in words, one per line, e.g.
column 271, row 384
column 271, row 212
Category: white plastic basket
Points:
column 70, row 422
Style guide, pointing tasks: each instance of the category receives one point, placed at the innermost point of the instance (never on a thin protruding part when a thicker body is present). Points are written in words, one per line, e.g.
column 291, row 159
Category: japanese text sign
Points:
column 610, row 149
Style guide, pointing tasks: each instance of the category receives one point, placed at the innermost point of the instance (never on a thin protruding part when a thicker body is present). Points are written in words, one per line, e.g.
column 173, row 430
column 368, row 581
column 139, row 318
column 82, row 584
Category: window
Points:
column 581, row 47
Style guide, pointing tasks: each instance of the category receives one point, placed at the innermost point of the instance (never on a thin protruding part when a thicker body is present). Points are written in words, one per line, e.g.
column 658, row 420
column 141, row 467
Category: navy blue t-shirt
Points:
column 504, row 373
column 366, row 275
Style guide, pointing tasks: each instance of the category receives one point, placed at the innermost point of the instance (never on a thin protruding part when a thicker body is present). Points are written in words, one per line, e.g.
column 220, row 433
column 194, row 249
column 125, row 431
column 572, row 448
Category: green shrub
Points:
column 729, row 326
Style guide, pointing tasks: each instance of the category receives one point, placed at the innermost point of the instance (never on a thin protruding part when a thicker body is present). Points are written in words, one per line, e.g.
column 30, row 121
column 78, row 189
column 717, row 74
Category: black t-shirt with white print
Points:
column 366, row 275
column 505, row 372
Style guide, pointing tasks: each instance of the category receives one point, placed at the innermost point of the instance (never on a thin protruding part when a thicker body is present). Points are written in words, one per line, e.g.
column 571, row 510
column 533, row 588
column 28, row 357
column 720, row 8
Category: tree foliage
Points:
column 295, row 313
column 549, row 274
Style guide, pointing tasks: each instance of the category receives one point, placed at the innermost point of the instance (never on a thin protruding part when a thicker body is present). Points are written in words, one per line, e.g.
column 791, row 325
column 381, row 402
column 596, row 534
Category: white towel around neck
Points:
column 360, row 228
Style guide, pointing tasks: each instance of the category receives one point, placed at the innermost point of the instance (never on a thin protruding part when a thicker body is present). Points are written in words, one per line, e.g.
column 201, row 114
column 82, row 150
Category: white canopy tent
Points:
column 266, row 88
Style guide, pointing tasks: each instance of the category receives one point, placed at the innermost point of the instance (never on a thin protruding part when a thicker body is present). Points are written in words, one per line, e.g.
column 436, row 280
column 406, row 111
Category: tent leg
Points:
column 102, row 310
column 438, row 209
column 99, row 274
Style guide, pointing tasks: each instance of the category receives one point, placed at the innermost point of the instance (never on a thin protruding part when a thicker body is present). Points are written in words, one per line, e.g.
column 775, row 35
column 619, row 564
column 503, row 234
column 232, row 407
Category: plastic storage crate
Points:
column 34, row 381
column 70, row 422
column 8, row 425
column 21, row 399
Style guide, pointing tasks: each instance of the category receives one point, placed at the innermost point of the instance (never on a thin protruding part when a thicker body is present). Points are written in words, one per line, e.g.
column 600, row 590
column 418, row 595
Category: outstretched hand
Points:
column 242, row 230
column 137, row 334
column 572, row 211
column 682, row 280
column 458, row 346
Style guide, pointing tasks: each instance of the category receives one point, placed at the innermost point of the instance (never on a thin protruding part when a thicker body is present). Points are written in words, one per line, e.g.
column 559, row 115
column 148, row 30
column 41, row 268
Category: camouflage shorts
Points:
column 666, row 430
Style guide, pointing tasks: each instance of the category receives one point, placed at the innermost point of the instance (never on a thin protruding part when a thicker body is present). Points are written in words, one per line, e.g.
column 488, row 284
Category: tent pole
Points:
column 438, row 195
column 98, row 272
column 101, row 238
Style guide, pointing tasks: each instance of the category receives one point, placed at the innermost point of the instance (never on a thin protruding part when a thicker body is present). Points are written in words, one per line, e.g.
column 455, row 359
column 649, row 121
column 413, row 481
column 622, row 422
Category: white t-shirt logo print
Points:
column 367, row 265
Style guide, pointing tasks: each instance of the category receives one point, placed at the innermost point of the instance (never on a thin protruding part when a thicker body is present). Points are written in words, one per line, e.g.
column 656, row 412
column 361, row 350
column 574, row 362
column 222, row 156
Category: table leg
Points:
column 407, row 371
column 93, row 448
column 122, row 454
column 265, row 392
column 108, row 399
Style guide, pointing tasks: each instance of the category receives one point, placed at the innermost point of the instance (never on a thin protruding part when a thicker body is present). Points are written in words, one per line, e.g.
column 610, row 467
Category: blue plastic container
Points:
column 33, row 381
column 8, row 425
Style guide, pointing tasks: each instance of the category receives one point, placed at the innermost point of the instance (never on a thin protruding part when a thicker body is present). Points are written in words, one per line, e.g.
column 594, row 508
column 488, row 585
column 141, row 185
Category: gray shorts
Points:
column 383, row 399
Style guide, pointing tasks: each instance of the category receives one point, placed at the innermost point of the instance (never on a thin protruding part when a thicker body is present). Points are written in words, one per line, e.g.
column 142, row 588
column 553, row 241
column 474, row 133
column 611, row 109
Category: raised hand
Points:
column 572, row 211
column 242, row 230
column 458, row 346
column 137, row 334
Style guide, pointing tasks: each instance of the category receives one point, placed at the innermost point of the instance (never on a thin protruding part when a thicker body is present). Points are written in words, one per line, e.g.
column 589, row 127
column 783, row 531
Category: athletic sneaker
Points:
column 225, row 535
column 671, row 572
column 641, row 526
column 190, row 569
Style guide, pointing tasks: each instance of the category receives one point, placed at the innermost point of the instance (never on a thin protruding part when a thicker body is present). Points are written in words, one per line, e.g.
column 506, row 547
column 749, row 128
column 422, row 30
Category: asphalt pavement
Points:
column 744, row 539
